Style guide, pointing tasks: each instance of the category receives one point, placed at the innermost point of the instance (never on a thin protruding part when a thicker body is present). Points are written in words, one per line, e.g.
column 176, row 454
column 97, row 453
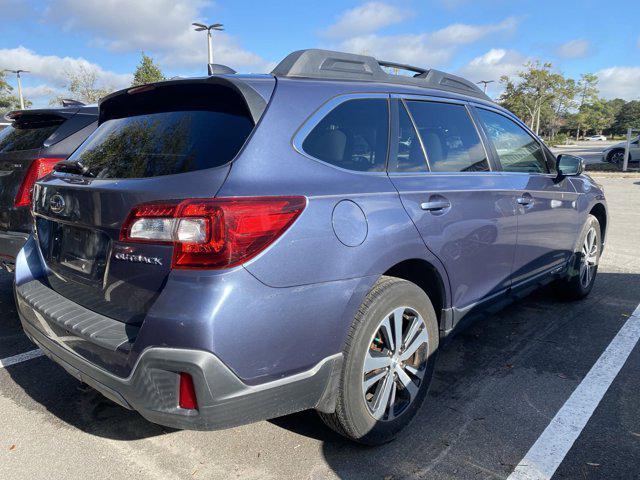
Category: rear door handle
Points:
column 525, row 199
column 435, row 205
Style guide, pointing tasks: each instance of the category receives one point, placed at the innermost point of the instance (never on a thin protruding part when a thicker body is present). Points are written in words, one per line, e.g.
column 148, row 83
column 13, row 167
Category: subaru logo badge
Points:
column 56, row 203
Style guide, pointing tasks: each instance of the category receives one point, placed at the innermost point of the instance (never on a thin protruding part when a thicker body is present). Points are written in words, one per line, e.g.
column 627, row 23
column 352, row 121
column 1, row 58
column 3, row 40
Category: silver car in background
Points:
column 615, row 153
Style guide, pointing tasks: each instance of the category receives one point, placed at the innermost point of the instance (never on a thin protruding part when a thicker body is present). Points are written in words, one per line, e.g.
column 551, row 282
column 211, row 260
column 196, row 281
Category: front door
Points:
column 464, row 211
column 547, row 215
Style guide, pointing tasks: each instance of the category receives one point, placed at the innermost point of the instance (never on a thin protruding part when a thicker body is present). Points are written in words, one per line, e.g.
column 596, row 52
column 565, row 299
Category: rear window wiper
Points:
column 72, row 166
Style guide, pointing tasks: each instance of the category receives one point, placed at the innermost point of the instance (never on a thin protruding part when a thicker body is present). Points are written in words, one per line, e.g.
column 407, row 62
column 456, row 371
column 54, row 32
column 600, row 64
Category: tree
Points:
column 146, row 72
column 628, row 117
column 538, row 95
column 82, row 86
column 8, row 100
column 588, row 94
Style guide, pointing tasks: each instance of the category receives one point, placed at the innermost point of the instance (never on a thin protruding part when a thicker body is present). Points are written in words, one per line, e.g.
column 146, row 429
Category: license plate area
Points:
column 74, row 249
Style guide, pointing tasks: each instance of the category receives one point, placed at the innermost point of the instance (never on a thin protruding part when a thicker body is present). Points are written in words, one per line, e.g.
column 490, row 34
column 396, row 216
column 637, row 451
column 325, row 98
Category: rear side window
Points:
column 354, row 135
column 13, row 139
column 517, row 150
column 449, row 136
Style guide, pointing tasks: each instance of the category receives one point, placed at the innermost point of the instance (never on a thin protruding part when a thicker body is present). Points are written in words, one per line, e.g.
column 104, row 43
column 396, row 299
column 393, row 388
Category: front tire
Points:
column 582, row 274
column 616, row 156
column 388, row 363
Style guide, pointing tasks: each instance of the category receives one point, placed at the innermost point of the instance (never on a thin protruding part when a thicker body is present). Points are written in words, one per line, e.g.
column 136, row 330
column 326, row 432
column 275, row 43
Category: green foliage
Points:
column 559, row 139
column 550, row 103
column 628, row 117
column 146, row 72
column 539, row 95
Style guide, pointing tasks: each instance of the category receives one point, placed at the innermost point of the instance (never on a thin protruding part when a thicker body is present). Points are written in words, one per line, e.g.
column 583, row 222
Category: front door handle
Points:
column 526, row 199
column 435, row 205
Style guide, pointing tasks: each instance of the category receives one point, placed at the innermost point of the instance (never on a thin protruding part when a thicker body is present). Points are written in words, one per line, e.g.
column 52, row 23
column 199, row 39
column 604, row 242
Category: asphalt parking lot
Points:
column 497, row 387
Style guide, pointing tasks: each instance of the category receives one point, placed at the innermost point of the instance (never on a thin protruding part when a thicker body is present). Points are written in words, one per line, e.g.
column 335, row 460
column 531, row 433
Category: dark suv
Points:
column 29, row 148
column 239, row 247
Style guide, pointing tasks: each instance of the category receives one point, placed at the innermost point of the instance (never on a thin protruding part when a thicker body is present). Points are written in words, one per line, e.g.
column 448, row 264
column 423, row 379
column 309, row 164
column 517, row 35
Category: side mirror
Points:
column 569, row 165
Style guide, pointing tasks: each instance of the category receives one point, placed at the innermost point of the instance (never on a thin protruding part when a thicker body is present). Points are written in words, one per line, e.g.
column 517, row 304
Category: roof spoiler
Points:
column 329, row 65
column 40, row 114
column 254, row 101
column 69, row 102
column 218, row 69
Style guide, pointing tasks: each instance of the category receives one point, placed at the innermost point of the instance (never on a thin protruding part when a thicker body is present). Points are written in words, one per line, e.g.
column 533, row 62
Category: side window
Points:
column 354, row 135
column 409, row 157
column 449, row 136
column 518, row 151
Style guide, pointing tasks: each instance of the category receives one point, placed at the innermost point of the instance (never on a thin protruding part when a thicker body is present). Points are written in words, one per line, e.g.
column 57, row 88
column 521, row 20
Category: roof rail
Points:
column 329, row 65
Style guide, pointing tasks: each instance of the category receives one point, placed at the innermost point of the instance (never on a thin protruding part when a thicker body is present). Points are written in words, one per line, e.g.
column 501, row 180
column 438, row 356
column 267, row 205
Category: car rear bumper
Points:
column 152, row 388
column 10, row 245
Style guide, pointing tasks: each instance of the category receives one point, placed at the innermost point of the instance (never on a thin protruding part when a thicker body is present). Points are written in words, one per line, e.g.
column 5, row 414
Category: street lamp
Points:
column 485, row 83
column 18, row 72
column 201, row 27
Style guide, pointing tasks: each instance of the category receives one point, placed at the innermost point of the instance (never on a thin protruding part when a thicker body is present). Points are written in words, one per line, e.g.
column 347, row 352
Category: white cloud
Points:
column 460, row 33
column 39, row 93
column 494, row 64
column 54, row 69
column 619, row 82
column 427, row 49
column 160, row 27
column 573, row 49
column 366, row 18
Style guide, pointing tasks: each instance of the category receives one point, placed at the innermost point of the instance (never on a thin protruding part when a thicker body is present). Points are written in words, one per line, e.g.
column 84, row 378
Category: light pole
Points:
column 18, row 72
column 201, row 27
column 485, row 83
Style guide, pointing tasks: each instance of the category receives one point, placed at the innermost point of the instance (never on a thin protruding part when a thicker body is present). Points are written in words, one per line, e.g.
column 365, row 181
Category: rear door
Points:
column 548, row 221
column 463, row 209
column 172, row 143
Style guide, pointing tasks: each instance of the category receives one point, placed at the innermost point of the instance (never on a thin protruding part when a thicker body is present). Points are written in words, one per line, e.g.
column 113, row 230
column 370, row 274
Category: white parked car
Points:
column 596, row 138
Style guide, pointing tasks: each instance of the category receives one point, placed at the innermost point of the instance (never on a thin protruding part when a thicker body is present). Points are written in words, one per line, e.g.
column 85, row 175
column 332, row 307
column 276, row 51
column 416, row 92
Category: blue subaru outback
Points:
column 234, row 248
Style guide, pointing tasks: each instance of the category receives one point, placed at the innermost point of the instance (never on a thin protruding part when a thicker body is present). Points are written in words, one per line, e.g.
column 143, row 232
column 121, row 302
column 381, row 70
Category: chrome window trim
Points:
column 316, row 117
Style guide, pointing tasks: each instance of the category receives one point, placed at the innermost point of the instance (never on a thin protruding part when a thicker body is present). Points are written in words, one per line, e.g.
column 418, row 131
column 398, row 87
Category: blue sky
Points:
column 479, row 39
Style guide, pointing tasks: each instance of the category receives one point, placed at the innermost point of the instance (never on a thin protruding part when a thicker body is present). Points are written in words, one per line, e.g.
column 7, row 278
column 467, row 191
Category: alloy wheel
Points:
column 589, row 261
column 617, row 157
column 395, row 364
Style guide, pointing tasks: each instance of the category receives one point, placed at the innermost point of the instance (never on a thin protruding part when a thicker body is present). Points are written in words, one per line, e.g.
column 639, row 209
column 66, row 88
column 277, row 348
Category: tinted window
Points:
column 163, row 143
column 449, row 136
column 354, row 135
column 24, row 138
column 409, row 157
column 518, row 151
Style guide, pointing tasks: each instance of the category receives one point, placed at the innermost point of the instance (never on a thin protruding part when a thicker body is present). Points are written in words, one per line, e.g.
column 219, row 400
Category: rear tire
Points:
column 582, row 273
column 388, row 363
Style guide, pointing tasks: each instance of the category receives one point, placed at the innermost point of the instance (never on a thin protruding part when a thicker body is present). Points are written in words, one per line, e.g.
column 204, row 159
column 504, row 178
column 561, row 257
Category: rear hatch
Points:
column 170, row 141
column 20, row 144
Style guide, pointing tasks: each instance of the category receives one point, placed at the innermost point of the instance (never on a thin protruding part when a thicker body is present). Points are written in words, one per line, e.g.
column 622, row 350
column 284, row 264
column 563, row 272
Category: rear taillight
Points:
column 38, row 169
column 212, row 233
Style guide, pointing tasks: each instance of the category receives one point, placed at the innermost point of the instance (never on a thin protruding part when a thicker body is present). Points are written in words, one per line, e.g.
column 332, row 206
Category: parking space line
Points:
column 546, row 455
column 22, row 357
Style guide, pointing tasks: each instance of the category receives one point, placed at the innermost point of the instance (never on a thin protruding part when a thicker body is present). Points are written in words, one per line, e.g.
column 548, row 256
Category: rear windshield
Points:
column 188, row 134
column 13, row 139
